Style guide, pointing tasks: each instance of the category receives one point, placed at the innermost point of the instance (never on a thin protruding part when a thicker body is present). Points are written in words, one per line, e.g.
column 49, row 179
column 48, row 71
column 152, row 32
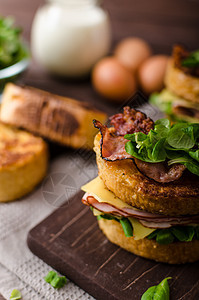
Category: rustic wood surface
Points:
column 70, row 241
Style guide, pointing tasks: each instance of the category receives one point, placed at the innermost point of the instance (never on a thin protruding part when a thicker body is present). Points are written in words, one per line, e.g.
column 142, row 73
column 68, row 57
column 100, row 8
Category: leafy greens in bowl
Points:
column 14, row 54
column 177, row 143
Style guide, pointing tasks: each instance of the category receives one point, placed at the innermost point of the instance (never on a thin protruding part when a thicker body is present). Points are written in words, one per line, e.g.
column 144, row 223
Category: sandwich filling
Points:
column 175, row 106
column 159, row 150
column 137, row 223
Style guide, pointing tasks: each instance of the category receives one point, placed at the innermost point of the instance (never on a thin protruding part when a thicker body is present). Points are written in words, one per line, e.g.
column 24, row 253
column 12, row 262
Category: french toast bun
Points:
column 181, row 83
column 174, row 253
column 23, row 162
column 57, row 118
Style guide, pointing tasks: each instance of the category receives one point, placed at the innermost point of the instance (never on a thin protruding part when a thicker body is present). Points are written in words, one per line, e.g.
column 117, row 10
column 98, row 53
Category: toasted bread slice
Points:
column 180, row 197
column 23, row 162
column 57, row 118
column 174, row 253
column 181, row 84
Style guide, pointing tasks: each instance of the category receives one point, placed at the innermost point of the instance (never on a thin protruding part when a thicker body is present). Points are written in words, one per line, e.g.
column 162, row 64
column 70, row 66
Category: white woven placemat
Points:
column 19, row 268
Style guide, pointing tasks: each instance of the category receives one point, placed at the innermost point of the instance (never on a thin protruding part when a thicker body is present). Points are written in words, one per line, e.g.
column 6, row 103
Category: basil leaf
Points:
column 158, row 292
column 164, row 237
column 149, row 294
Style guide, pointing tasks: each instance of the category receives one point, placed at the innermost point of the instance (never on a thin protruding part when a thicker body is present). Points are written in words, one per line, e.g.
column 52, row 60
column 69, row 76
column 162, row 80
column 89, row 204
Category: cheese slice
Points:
column 99, row 191
column 140, row 231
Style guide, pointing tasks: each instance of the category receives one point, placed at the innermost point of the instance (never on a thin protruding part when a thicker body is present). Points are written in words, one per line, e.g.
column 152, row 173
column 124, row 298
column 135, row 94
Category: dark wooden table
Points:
column 161, row 23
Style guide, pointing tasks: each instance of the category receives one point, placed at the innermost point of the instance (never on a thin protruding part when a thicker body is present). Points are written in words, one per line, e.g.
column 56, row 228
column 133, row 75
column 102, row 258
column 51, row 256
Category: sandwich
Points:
column 179, row 100
column 146, row 197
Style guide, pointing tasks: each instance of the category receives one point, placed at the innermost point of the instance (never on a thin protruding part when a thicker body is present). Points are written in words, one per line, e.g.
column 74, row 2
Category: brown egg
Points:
column 112, row 80
column 151, row 73
column 131, row 52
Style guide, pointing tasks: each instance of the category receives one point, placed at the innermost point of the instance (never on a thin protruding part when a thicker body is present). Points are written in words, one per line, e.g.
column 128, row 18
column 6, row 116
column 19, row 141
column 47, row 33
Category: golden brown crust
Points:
column 182, row 84
column 23, row 162
column 126, row 182
column 60, row 119
column 174, row 253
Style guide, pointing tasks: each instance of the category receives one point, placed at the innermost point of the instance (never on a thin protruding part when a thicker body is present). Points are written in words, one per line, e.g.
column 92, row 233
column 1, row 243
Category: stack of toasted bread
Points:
column 24, row 156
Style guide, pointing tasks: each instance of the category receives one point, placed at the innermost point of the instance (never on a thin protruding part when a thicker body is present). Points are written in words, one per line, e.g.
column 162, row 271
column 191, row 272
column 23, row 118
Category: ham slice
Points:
column 112, row 145
column 145, row 218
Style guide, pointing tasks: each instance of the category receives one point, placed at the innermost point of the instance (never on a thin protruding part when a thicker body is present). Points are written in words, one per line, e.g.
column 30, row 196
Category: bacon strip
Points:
column 145, row 218
column 112, row 146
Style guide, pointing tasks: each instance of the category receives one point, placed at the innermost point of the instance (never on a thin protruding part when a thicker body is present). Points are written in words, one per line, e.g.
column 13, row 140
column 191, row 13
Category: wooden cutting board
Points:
column 70, row 241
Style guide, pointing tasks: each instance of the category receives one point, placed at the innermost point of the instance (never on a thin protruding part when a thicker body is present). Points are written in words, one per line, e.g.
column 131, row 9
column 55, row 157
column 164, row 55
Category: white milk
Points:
column 69, row 36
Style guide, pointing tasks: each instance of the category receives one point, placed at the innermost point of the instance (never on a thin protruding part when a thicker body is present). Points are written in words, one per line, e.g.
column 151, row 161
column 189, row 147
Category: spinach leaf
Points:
column 192, row 166
column 11, row 47
column 15, row 295
column 194, row 154
column 185, row 234
column 161, row 130
column 192, row 60
column 178, row 143
column 127, row 227
column 163, row 122
column 179, row 138
column 158, row 292
column 130, row 148
column 197, row 232
column 159, row 153
column 165, row 105
column 175, row 233
column 164, row 237
column 55, row 280
column 153, row 234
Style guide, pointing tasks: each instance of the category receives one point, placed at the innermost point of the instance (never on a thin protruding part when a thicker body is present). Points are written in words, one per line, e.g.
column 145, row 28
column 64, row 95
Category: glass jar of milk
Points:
column 69, row 36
